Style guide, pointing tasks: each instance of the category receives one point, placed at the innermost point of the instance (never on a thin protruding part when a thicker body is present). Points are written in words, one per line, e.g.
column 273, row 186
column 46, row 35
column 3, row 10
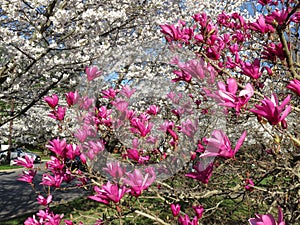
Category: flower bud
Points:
column 284, row 124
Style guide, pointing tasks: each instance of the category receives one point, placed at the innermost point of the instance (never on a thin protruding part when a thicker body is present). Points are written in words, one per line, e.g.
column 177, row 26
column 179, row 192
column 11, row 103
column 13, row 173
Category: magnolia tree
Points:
column 211, row 139
column 46, row 45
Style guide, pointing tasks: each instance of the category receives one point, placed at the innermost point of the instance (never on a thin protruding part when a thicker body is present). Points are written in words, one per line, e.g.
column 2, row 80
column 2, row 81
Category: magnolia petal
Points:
column 280, row 217
column 268, row 219
column 286, row 112
column 240, row 141
column 232, row 85
column 285, row 102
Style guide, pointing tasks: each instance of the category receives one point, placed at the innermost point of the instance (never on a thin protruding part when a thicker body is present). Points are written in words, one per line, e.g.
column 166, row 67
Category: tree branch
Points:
column 287, row 53
column 35, row 100
column 151, row 217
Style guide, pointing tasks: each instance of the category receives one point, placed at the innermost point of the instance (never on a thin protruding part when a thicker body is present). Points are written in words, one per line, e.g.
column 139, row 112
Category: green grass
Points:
column 9, row 167
column 88, row 211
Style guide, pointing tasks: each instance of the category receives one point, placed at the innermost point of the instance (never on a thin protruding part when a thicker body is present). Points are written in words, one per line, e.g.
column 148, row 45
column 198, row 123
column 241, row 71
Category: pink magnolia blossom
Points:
column 175, row 97
column 26, row 162
column 72, row 98
column 266, row 2
column 109, row 93
column 153, row 110
column 172, row 33
column 239, row 36
column 53, row 181
column 72, row 151
column 182, row 76
column 200, row 147
column 168, row 127
column 127, row 91
column 83, row 158
column 185, row 220
column 272, row 50
column 175, row 209
column 139, row 182
column 248, row 182
column 187, row 33
column 52, row 101
column 85, row 102
column 47, row 217
column 120, row 104
column 213, row 52
column 219, row 145
column 103, row 112
column 239, row 20
column 271, row 110
column 68, row 222
column 94, row 147
column 212, row 31
column 202, row 172
column 234, row 48
column 261, row 25
column 189, row 128
column 114, row 169
column 57, row 146
column 225, row 40
column 141, row 125
column 82, row 134
column 227, row 94
column 179, row 111
column 294, row 85
column 55, row 164
column 230, row 64
column 135, row 155
column 251, row 70
column 27, row 176
column 92, row 72
column 224, row 19
column 195, row 68
column 58, row 114
column 44, row 201
column 268, row 69
column 201, row 18
column 296, row 17
column 132, row 154
column 199, row 38
column 277, row 16
column 109, row 192
column 267, row 219
column 100, row 196
column 32, row 221
column 103, row 116
column 199, row 211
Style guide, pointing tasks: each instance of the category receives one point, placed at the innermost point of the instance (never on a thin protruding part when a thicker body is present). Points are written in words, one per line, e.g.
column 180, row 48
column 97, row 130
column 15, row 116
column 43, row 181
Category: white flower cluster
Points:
column 41, row 40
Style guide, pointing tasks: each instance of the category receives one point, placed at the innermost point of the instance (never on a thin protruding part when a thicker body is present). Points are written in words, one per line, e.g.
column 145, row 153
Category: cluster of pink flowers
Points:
column 215, row 44
column 134, row 183
column 175, row 208
column 222, row 43
column 267, row 219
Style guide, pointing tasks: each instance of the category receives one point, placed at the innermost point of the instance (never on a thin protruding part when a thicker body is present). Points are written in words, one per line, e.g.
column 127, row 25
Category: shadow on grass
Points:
column 80, row 204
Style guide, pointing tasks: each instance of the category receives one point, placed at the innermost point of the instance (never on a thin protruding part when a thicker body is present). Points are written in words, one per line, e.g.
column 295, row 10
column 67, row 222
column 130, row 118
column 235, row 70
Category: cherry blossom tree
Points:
column 46, row 45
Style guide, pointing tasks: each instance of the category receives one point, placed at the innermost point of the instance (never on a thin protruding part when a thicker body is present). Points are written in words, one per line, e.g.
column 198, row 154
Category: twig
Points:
column 151, row 217
column 287, row 53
